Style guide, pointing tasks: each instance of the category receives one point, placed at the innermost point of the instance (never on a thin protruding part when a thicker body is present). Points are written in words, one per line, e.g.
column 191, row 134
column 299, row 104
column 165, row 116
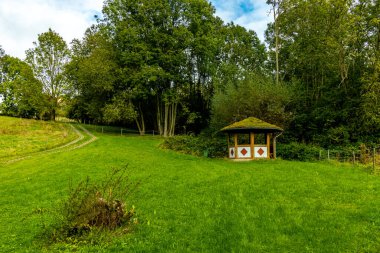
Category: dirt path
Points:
column 75, row 144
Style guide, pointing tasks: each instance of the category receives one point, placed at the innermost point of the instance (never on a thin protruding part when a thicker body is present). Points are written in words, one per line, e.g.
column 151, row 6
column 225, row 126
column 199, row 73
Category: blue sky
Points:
column 22, row 20
column 251, row 14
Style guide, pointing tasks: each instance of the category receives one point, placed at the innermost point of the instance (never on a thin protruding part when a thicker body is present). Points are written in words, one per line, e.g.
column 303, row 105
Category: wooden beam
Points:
column 268, row 145
column 235, row 139
column 252, row 136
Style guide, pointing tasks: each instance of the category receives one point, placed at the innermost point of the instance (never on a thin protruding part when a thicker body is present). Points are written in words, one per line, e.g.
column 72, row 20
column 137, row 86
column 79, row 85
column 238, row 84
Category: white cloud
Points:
column 251, row 14
column 21, row 21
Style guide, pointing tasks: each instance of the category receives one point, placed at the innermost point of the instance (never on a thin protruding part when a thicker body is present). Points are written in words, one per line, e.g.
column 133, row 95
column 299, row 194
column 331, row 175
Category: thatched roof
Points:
column 252, row 123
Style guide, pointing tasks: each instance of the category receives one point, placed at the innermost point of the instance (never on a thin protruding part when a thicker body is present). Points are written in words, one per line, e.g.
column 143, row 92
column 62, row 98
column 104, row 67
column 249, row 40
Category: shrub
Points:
column 94, row 207
column 298, row 151
column 198, row 146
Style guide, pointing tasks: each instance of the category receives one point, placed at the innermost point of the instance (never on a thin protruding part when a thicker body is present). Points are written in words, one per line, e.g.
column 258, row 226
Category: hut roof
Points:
column 251, row 123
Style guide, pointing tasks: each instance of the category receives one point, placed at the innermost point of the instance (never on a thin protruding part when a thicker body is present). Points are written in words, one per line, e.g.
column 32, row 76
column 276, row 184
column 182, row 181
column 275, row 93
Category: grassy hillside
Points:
column 187, row 203
column 23, row 136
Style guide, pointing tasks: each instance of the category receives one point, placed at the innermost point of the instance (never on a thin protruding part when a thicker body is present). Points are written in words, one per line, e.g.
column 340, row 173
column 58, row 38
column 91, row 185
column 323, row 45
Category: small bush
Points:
column 94, row 207
column 198, row 146
column 298, row 151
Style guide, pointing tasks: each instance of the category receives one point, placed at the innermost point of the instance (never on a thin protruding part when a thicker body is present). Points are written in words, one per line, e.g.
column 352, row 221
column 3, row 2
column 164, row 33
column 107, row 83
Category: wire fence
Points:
column 118, row 130
column 363, row 156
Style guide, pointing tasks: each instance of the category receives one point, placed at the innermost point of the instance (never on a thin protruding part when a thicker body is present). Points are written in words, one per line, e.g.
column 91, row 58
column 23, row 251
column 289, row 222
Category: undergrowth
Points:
column 93, row 209
column 197, row 145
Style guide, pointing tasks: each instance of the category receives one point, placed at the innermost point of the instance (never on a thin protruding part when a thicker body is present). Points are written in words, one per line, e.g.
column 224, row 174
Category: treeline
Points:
column 175, row 67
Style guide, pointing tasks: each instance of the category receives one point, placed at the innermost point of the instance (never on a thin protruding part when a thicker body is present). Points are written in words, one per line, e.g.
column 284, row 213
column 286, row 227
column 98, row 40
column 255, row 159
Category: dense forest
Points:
column 175, row 67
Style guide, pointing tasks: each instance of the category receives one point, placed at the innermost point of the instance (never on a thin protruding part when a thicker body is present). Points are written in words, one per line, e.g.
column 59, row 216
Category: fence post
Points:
column 328, row 154
column 320, row 154
column 102, row 129
column 153, row 132
column 121, row 132
column 353, row 154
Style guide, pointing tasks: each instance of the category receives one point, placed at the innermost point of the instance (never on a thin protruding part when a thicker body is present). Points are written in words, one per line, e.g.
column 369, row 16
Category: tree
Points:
column 276, row 9
column 241, row 52
column 166, row 49
column 2, row 52
column 48, row 59
column 327, row 49
column 256, row 96
column 93, row 74
column 21, row 92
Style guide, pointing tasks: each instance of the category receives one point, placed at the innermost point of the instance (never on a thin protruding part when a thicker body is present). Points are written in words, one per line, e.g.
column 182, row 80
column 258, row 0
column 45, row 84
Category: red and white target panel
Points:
column 260, row 152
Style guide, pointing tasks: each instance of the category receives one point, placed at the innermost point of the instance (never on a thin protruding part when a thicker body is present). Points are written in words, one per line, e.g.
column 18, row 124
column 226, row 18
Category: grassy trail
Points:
column 84, row 137
column 193, row 204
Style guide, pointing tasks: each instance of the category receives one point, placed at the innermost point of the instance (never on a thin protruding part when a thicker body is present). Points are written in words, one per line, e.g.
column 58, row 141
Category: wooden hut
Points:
column 251, row 139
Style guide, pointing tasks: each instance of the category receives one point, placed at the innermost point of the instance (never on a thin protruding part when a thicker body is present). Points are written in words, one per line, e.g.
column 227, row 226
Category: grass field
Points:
column 20, row 136
column 191, row 204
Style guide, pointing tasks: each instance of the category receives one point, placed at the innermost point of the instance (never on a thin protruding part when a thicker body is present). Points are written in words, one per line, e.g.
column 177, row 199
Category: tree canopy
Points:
column 48, row 59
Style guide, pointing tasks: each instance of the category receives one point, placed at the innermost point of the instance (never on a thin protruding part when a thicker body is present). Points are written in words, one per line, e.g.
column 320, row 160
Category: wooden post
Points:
column 274, row 147
column 235, row 146
column 268, row 145
column 252, row 136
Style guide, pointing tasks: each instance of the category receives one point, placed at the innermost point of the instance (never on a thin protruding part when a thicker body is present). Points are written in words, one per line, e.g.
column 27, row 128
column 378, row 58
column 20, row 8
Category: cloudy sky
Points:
column 22, row 20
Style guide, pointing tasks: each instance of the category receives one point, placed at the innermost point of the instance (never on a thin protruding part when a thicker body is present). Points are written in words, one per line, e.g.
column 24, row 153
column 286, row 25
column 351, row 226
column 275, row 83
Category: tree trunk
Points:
column 159, row 117
column 140, row 122
column 166, row 117
column 275, row 15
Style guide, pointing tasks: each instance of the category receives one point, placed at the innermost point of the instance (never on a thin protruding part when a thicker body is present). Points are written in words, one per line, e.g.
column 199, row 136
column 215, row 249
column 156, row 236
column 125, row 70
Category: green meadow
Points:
column 22, row 136
column 191, row 204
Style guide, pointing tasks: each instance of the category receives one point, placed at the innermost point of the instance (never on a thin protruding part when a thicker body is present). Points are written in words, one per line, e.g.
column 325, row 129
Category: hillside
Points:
column 186, row 203
column 19, row 137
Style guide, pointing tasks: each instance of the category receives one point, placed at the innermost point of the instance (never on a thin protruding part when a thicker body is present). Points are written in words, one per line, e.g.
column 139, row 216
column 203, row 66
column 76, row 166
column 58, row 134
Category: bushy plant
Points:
column 96, row 206
column 197, row 145
column 298, row 151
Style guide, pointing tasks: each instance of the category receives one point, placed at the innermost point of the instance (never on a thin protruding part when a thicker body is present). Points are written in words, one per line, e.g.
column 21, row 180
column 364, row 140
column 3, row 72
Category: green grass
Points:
column 21, row 136
column 193, row 204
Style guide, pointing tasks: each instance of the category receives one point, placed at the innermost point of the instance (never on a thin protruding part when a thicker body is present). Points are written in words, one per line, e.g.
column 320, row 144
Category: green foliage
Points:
column 92, row 207
column 48, row 59
column 21, row 92
column 330, row 51
column 241, row 52
column 198, row 146
column 254, row 95
column 93, row 73
column 298, row 152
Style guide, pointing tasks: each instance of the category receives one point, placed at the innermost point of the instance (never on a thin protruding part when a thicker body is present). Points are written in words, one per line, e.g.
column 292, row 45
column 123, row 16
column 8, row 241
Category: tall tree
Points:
column 48, row 59
column 21, row 92
column 326, row 48
column 241, row 53
column 276, row 9
column 166, row 48
column 93, row 73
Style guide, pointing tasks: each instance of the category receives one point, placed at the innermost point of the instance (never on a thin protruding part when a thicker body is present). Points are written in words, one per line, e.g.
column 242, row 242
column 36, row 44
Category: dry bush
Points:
column 97, row 206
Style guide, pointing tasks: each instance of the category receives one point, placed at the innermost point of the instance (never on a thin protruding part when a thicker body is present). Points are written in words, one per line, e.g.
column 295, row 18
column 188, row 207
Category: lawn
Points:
column 20, row 136
column 186, row 203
